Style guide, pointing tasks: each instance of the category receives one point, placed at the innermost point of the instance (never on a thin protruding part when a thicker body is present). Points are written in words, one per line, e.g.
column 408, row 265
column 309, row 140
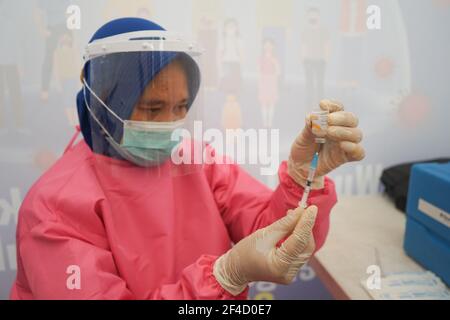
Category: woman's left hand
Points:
column 342, row 145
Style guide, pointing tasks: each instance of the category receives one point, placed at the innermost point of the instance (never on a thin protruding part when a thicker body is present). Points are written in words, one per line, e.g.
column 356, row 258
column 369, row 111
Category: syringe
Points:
column 309, row 181
column 319, row 126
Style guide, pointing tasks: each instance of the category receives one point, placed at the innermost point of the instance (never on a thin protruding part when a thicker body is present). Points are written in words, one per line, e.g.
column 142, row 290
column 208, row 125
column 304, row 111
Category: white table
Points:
column 360, row 226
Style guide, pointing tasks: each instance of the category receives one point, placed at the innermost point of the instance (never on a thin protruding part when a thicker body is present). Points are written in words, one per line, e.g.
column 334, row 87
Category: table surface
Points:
column 364, row 231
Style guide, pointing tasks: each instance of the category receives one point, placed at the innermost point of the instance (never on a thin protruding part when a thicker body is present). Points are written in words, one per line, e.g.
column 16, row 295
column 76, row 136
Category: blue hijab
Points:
column 120, row 80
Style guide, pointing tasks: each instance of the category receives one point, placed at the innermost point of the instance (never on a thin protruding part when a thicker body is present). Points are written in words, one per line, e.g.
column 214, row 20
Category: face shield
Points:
column 142, row 92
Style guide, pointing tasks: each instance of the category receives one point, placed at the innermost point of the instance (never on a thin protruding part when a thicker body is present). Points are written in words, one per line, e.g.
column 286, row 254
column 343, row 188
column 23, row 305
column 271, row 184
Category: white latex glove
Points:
column 257, row 258
column 342, row 145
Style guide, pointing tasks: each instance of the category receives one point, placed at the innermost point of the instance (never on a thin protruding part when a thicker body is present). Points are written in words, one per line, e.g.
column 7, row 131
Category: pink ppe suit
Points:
column 93, row 227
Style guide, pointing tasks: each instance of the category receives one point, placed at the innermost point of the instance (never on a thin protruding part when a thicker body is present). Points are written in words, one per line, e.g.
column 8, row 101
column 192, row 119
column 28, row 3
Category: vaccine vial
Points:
column 319, row 125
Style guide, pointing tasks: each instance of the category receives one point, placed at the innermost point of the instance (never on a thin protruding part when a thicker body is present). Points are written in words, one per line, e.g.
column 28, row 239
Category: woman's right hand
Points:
column 257, row 257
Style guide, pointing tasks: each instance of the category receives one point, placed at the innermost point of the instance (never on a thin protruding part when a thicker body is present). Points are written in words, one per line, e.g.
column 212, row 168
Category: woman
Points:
column 115, row 218
column 269, row 73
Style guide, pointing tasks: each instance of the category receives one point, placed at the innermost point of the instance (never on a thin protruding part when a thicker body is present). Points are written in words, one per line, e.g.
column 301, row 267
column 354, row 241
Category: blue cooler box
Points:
column 427, row 236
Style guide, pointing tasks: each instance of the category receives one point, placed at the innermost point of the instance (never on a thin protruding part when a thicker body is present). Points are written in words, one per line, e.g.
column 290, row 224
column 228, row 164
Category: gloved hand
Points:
column 341, row 146
column 257, row 257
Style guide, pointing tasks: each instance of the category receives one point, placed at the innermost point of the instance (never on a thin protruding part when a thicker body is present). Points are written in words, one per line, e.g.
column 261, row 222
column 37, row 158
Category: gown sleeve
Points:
column 53, row 256
column 247, row 205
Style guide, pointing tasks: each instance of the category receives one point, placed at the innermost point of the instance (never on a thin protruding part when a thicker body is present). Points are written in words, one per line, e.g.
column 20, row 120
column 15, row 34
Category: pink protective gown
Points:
column 134, row 237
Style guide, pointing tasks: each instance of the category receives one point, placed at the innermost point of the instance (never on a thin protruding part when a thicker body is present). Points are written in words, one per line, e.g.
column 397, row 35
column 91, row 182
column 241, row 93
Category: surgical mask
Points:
column 145, row 143
column 152, row 142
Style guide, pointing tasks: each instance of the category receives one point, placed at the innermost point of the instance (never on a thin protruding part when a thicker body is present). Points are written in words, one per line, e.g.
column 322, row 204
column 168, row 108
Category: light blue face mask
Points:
column 145, row 143
column 151, row 142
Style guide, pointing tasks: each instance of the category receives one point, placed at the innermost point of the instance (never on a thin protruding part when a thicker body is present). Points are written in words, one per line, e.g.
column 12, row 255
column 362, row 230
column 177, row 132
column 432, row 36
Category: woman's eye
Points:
column 150, row 110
